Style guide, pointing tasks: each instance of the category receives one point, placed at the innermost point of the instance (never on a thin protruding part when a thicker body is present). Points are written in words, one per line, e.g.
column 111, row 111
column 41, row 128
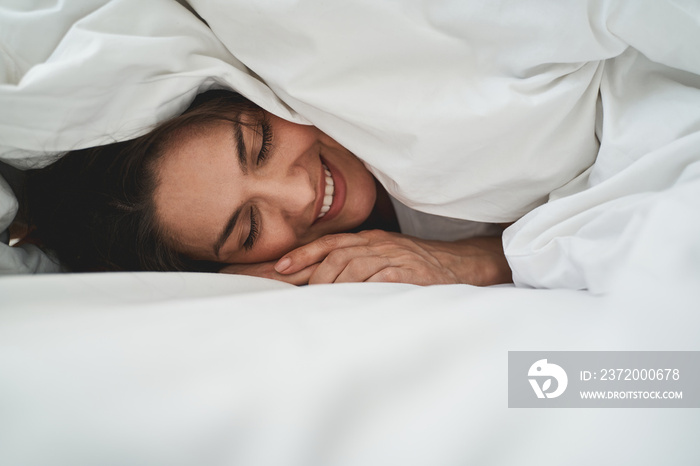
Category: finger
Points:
column 266, row 270
column 391, row 275
column 298, row 278
column 261, row 269
column 316, row 251
column 360, row 269
column 338, row 260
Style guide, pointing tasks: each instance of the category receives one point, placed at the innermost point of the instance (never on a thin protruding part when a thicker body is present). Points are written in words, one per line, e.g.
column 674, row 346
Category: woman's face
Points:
column 242, row 194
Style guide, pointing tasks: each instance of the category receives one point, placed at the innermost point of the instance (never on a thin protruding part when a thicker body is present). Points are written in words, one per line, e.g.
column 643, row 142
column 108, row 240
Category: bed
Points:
column 185, row 368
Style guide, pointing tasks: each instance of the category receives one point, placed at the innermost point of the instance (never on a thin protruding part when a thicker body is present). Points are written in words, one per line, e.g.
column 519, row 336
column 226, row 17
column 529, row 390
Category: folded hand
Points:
column 380, row 256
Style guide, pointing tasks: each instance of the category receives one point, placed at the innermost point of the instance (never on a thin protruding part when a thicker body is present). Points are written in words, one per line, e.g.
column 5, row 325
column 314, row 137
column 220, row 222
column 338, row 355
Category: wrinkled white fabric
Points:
column 111, row 71
column 638, row 205
column 434, row 227
column 494, row 105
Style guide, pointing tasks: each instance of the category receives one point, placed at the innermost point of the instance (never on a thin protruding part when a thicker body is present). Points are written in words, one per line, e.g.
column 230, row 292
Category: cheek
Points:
column 294, row 138
column 364, row 194
column 276, row 239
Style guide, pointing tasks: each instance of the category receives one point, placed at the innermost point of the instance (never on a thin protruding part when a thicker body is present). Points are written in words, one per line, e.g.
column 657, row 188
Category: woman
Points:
column 227, row 186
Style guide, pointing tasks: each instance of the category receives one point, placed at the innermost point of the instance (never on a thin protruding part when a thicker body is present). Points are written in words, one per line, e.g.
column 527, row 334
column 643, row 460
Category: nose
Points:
column 290, row 191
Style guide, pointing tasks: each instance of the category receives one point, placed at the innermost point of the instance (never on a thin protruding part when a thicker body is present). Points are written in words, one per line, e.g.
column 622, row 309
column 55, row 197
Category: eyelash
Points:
column 262, row 156
column 266, row 142
column 254, row 230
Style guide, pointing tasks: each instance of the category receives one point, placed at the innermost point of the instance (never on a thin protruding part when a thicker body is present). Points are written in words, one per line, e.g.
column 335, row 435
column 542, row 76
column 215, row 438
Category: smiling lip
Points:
column 338, row 194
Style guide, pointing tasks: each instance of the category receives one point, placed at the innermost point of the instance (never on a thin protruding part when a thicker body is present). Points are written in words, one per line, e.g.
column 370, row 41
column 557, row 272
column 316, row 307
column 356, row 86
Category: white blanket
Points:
column 494, row 103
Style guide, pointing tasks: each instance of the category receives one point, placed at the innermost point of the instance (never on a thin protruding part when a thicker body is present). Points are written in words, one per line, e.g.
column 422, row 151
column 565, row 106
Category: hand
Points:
column 267, row 270
column 390, row 257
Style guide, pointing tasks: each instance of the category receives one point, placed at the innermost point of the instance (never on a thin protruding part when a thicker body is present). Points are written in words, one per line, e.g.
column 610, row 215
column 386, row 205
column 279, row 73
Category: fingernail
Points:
column 283, row 264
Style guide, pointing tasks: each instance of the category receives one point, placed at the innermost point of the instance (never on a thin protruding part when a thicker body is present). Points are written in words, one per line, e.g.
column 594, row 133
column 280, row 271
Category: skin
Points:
column 201, row 183
column 380, row 256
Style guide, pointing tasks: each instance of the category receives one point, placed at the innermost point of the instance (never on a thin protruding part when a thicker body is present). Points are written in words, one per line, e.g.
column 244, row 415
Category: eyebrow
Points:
column 226, row 232
column 240, row 148
column 243, row 162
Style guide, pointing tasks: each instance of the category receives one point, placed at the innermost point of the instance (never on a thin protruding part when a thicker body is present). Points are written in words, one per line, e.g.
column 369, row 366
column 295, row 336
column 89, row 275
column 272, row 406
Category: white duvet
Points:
column 503, row 106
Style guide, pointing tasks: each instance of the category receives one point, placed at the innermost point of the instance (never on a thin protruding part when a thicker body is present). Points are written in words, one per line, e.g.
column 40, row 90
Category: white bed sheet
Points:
column 192, row 369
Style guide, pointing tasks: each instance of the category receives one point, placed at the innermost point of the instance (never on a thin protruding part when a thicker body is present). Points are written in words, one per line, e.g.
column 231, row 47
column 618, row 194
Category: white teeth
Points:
column 330, row 190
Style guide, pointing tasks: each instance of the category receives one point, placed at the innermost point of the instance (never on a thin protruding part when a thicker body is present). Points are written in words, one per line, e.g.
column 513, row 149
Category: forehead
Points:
column 195, row 187
column 190, row 152
column 194, row 135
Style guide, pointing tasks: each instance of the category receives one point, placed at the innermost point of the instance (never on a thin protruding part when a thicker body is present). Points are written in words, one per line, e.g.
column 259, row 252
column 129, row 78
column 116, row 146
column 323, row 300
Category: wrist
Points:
column 474, row 261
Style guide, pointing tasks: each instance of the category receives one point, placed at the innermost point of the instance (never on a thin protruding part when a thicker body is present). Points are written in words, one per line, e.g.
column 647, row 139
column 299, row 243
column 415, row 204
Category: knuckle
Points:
column 317, row 278
column 330, row 241
column 335, row 257
column 327, row 241
column 356, row 264
column 374, row 234
column 391, row 275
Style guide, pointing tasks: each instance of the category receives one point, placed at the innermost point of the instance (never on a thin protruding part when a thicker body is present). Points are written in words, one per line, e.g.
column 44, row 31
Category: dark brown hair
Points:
column 93, row 208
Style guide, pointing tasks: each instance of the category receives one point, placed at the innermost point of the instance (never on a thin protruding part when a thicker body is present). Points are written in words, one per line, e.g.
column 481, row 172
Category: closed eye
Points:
column 266, row 142
column 254, row 231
